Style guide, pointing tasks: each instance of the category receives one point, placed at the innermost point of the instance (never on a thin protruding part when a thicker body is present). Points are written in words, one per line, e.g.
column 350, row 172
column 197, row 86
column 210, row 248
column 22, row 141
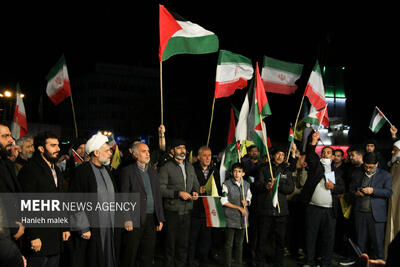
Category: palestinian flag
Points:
column 58, row 85
column 377, row 120
column 77, row 159
column 179, row 36
column 275, row 188
column 280, row 76
column 233, row 71
column 316, row 117
column 291, row 135
column 315, row 90
column 232, row 127
column 214, row 213
column 19, row 126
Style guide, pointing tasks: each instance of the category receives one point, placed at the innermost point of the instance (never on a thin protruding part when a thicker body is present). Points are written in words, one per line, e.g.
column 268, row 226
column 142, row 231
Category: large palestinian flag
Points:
column 180, row 36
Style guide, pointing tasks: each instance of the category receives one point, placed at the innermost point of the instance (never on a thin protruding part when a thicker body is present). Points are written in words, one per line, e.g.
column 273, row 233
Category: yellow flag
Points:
column 211, row 187
column 116, row 160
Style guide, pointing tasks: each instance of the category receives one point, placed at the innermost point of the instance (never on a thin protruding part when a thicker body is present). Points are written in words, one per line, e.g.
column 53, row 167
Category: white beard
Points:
column 395, row 157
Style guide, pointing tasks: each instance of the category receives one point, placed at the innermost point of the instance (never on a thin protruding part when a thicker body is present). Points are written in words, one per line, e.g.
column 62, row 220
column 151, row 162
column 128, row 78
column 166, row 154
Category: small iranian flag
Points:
column 377, row 120
column 315, row 90
column 275, row 187
column 280, row 76
column 233, row 71
column 58, row 86
column 19, row 126
column 291, row 135
column 179, row 36
column 214, row 213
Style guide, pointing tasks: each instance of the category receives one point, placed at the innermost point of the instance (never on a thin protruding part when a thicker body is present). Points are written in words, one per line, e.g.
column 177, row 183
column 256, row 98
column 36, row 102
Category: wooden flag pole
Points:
column 244, row 198
column 73, row 114
column 161, row 94
column 384, row 116
column 212, row 116
column 297, row 118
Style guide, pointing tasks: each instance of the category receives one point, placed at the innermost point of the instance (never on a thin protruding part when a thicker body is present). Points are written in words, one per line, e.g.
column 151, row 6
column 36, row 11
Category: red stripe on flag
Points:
column 61, row 93
column 232, row 127
column 20, row 119
column 207, row 211
column 226, row 89
column 168, row 26
column 314, row 98
column 279, row 88
column 260, row 92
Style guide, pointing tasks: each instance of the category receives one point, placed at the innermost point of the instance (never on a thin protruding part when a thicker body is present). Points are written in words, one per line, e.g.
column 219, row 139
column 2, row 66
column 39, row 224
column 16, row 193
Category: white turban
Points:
column 397, row 144
column 95, row 142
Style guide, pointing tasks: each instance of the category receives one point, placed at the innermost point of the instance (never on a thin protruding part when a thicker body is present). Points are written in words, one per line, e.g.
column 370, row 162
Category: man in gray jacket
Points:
column 179, row 188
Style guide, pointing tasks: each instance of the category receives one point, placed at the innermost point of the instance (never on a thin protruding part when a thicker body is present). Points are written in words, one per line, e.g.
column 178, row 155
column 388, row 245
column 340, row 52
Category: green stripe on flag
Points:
column 227, row 56
column 282, row 65
column 56, row 68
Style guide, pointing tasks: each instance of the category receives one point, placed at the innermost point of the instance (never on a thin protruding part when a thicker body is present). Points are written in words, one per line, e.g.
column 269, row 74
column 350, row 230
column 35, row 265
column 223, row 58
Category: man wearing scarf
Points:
column 95, row 246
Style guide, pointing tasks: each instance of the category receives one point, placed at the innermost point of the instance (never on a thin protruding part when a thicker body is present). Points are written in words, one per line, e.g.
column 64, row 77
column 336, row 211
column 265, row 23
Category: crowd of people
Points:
column 297, row 203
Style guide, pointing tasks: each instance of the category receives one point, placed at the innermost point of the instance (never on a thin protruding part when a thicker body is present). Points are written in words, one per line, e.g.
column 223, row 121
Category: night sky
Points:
column 128, row 34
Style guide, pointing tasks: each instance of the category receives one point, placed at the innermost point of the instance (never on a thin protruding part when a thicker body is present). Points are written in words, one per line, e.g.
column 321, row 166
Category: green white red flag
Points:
column 315, row 90
column 58, row 85
column 233, row 71
column 377, row 120
column 280, row 76
column 318, row 118
column 214, row 213
column 19, row 125
column 180, row 36
column 291, row 135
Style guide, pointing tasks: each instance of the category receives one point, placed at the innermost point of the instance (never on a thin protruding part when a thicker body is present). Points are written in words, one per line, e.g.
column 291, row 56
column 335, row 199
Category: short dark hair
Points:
column 370, row 158
column 237, row 165
column 338, row 150
column 331, row 148
column 251, row 147
column 40, row 139
column 356, row 148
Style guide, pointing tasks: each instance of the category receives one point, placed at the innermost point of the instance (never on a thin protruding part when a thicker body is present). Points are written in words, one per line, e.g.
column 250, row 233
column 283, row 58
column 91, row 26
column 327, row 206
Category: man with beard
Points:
column 393, row 224
column 95, row 237
column 26, row 150
column 320, row 195
column 251, row 163
column 179, row 187
column 41, row 175
column 271, row 221
column 138, row 244
column 8, row 177
column 372, row 188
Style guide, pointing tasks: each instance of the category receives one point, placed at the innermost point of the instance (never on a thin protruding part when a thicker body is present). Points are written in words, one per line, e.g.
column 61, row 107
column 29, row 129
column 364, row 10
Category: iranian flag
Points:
column 315, row 90
column 19, row 126
column 58, row 86
column 280, row 76
column 179, row 36
column 377, row 120
column 233, row 71
column 214, row 213
column 275, row 188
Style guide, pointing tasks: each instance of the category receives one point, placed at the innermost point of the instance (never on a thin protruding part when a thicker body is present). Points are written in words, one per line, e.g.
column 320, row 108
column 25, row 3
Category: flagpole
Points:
column 297, row 118
column 322, row 118
column 73, row 113
column 161, row 94
column 384, row 116
column 269, row 158
column 244, row 198
column 290, row 146
column 212, row 116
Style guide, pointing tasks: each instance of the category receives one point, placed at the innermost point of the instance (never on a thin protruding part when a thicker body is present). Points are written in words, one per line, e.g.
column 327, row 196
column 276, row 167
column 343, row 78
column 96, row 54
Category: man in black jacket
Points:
column 272, row 219
column 138, row 244
column 41, row 175
column 200, row 234
column 319, row 194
